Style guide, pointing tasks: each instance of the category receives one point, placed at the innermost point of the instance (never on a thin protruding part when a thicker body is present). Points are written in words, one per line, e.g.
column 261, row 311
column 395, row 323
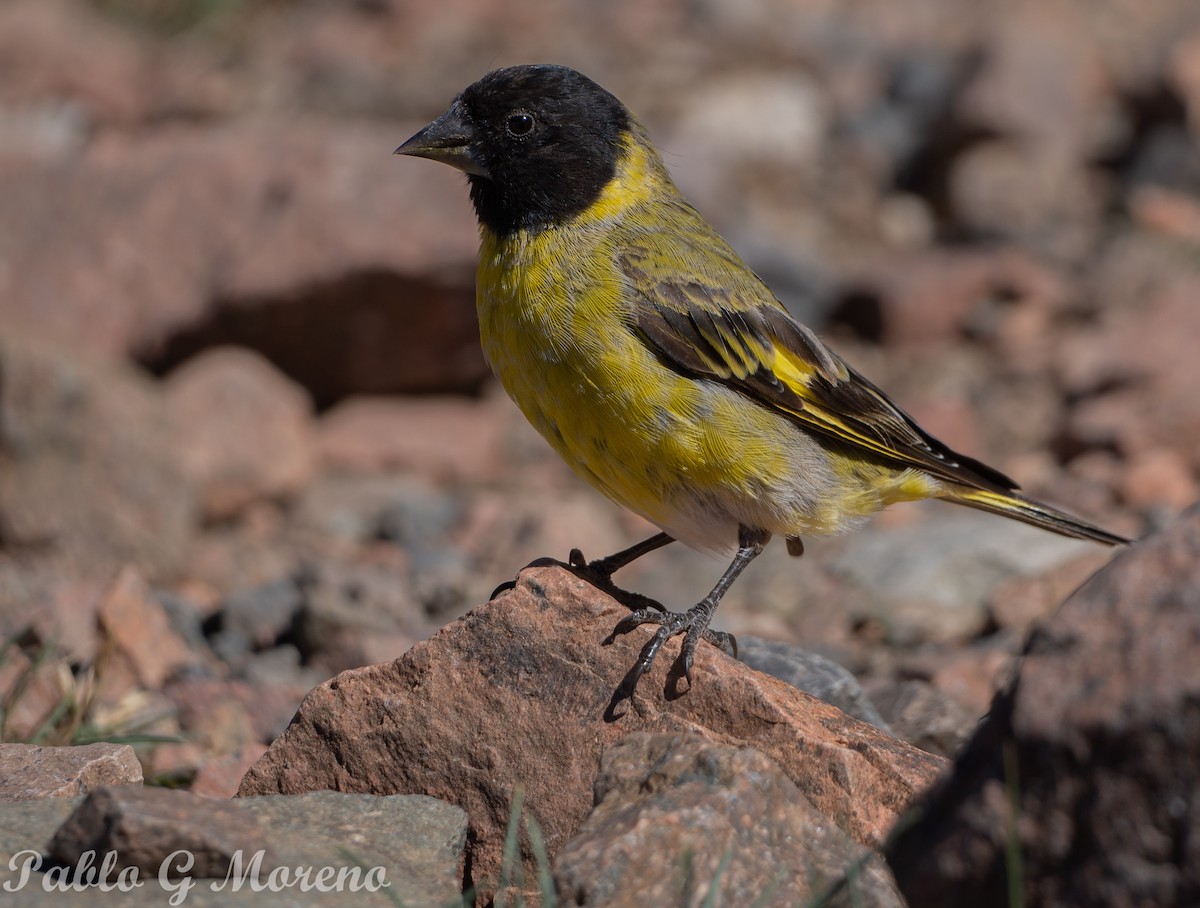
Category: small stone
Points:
column 923, row 715
column 246, row 429
column 1018, row 602
column 1160, row 478
column 812, row 673
column 932, row 586
column 28, row 771
column 219, row 777
column 444, row 439
column 141, row 632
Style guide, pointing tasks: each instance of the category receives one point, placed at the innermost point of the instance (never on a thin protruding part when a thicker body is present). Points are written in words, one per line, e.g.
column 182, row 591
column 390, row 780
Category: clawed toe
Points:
column 694, row 622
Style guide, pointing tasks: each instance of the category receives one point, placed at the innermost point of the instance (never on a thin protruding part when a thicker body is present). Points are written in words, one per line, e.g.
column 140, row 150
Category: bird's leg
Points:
column 604, row 568
column 599, row 572
column 695, row 620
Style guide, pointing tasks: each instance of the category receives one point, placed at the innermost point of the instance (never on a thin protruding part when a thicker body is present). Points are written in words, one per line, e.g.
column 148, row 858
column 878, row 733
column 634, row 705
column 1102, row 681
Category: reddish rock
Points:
column 140, row 631
column 683, row 820
column 32, row 693
column 446, row 439
column 245, row 429
column 1094, row 746
column 973, row 675
column 1161, row 477
column 1174, row 214
column 28, row 771
column 219, row 777
column 1018, row 602
column 227, row 716
column 935, row 294
column 174, row 762
column 119, row 81
column 294, row 237
column 519, row 693
column 1142, row 361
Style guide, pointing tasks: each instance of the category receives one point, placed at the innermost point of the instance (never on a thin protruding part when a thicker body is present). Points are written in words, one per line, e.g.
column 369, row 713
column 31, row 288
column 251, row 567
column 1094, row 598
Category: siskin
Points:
column 658, row 365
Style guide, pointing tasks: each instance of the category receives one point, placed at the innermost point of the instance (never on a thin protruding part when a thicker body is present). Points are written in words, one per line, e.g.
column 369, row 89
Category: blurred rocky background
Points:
column 247, row 438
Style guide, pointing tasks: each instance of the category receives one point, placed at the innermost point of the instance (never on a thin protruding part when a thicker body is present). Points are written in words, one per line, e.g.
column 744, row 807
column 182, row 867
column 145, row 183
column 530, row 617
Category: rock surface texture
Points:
column 1082, row 787
column 518, row 695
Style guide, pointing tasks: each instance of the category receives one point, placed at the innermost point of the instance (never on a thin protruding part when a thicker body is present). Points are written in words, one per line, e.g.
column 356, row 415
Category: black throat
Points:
column 548, row 196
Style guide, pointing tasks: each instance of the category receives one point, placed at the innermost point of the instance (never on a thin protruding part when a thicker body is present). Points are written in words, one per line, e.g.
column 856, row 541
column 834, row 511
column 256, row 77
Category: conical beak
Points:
column 449, row 139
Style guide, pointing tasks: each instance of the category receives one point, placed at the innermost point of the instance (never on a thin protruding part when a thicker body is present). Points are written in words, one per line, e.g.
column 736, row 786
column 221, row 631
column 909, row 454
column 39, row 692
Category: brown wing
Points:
column 755, row 347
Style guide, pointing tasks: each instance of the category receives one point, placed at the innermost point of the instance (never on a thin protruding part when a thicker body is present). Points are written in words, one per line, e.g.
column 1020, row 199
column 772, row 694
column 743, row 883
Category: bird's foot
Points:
column 599, row 574
column 693, row 623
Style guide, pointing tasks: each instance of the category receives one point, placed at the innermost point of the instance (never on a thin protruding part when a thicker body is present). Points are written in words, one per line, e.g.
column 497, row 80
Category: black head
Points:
column 539, row 143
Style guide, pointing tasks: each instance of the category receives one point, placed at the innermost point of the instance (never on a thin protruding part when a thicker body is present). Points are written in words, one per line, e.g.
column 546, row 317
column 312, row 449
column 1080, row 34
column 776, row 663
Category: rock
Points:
column 683, row 820
column 228, row 715
column 1161, row 478
column 937, row 294
column 923, row 715
column 1092, row 746
column 257, row 618
column 532, row 689
column 974, row 675
column 140, row 632
column 932, row 585
column 351, row 608
column 1020, row 601
column 361, row 508
column 1173, row 214
column 1135, row 373
column 246, row 429
column 28, row 825
column 812, row 673
column 443, row 439
column 28, row 771
column 32, row 690
column 417, row 843
column 121, row 81
column 91, row 464
column 287, row 237
column 219, row 777
column 1033, row 183
column 145, row 826
column 418, row 840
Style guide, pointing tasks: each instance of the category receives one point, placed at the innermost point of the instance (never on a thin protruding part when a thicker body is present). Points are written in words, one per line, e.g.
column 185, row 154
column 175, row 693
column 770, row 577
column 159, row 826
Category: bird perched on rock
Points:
column 657, row 364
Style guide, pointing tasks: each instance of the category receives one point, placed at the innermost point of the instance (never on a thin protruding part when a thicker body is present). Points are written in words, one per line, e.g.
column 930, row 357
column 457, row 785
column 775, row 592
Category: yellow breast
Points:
column 691, row 455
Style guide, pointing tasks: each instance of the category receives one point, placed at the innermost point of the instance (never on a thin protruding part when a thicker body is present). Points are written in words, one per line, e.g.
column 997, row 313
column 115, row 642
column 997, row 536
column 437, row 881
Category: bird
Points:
column 658, row 365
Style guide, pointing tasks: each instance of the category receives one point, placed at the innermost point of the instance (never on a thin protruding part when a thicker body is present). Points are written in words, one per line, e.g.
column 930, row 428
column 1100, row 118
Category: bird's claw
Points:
column 694, row 622
column 502, row 588
column 599, row 574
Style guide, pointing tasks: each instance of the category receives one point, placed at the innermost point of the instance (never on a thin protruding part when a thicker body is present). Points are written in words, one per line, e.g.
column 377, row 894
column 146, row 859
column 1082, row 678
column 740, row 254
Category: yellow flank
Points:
column 692, row 455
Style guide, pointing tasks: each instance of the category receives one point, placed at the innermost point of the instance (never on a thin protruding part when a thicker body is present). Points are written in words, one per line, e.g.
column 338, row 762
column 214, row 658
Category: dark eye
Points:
column 519, row 124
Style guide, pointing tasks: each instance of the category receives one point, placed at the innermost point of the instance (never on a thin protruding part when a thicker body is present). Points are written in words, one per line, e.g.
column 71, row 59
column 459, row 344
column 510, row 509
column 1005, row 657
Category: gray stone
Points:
column 812, row 673
column 418, row 840
column 932, row 586
column 922, row 715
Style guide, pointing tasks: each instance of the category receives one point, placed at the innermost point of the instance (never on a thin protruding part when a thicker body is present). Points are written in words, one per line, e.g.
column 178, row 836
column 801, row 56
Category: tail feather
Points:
column 1011, row 504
